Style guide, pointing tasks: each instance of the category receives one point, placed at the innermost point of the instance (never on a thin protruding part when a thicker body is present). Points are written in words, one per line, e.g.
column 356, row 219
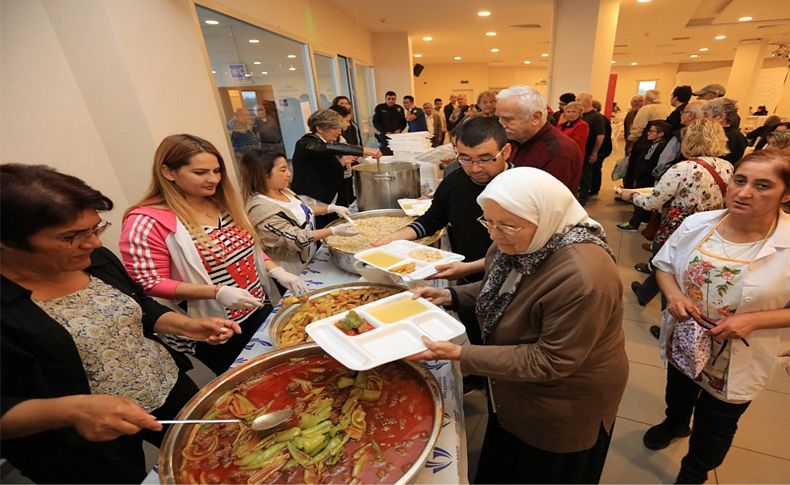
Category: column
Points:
column 745, row 70
column 392, row 60
column 582, row 44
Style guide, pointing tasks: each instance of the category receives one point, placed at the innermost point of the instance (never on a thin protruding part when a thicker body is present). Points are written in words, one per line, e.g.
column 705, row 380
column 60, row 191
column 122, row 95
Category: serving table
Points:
column 447, row 462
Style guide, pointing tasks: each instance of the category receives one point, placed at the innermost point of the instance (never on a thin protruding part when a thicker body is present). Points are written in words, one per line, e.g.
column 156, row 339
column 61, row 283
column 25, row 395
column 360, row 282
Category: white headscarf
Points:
column 538, row 197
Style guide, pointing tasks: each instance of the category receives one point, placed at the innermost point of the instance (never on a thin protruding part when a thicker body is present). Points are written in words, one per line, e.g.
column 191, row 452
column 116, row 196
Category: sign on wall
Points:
column 238, row 71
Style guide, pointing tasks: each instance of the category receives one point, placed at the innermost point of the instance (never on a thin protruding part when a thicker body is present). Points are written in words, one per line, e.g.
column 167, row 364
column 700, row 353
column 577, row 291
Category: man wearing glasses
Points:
column 482, row 151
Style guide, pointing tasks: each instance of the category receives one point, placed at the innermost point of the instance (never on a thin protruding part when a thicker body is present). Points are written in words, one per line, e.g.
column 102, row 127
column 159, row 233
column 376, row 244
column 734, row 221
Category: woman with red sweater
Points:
column 574, row 126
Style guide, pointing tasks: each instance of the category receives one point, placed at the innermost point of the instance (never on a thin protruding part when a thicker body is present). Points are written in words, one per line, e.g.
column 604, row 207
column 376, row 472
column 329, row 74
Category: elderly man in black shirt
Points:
column 388, row 118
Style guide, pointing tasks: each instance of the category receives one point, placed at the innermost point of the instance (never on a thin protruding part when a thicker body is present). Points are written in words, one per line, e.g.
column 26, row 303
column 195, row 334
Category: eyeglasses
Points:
column 482, row 161
column 506, row 228
column 96, row 230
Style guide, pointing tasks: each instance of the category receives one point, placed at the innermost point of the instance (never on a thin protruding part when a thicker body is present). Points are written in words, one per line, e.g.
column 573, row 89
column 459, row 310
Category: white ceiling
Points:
column 647, row 33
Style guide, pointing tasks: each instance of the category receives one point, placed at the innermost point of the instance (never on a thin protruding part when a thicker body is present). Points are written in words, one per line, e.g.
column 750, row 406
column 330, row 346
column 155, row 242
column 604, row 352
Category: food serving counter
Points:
column 447, row 463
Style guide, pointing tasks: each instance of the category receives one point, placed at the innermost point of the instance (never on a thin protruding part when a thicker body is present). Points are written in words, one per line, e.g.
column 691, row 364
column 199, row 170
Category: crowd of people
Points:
column 94, row 346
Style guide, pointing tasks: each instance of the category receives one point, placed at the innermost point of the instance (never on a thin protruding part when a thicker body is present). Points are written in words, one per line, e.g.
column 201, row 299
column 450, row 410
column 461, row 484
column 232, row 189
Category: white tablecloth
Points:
column 447, row 462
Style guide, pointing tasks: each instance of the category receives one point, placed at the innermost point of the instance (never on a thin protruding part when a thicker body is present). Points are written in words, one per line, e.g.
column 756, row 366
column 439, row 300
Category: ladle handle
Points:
column 197, row 421
column 383, row 177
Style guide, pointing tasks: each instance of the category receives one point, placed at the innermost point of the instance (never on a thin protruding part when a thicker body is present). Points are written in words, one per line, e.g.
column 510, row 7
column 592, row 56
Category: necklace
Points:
column 752, row 249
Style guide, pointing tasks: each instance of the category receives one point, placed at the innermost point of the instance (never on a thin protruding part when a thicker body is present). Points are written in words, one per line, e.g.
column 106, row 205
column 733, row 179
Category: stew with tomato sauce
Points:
column 348, row 427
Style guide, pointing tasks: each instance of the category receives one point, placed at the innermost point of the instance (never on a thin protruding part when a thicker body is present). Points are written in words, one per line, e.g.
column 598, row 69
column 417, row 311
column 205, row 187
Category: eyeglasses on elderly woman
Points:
column 505, row 228
column 466, row 161
column 80, row 236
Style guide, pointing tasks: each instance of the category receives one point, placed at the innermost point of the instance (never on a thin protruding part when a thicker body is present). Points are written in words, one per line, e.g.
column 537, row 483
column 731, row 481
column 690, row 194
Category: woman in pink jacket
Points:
column 189, row 243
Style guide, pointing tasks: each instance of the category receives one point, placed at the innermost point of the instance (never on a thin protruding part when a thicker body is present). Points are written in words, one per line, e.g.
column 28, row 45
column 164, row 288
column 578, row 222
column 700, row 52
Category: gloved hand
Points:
column 344, row 230
column 290, row 281
column 236, row 298
column 339, row 210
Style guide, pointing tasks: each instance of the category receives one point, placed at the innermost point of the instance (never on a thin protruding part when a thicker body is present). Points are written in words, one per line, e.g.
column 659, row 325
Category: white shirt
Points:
column 293, row 205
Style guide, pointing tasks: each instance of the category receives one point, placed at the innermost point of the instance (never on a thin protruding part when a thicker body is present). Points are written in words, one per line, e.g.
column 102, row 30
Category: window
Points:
column 645, row 86
column 327, row 79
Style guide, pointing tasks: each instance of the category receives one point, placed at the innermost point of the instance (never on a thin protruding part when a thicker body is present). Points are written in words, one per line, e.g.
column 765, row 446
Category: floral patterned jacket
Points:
column 685, row 189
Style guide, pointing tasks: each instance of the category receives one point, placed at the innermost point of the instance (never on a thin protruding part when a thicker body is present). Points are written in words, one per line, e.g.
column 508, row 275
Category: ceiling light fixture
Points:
column 264, row 72
column 491, row 34
column 703, row 49
column 527, row 62
column 427, row 38
column 291, row 68
column 254, row 41
column 417, row 56
column 257, row 63
column 642, row 1
column 634, row 63
column 213, row 72
column 694, row 56
column 211, row 22
column 457, row 58
column 544, row 55
column 744, row 19
column 291, row 56
column 494, row 50
column 612, row 62
column 484, row 13
column 720, row 37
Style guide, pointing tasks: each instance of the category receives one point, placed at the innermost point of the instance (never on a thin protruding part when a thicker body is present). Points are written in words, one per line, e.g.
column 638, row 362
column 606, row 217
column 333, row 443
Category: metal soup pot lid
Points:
column 386, row 167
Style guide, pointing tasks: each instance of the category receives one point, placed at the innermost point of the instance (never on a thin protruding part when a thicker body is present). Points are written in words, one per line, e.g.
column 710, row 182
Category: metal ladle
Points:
column 261, row 423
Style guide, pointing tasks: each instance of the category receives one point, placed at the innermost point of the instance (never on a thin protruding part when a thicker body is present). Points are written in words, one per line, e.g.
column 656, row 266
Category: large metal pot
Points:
column 345, row 260
column 170, row 458
column 379, row 186
column 282, row 316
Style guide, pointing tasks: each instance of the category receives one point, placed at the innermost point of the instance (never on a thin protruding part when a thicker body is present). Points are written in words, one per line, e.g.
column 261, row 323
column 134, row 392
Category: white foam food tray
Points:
column 399, row 322
column 399, row 253
column 415, row 207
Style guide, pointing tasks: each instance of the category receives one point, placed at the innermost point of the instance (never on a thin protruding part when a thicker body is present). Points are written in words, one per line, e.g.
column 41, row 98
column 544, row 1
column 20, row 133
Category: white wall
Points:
column 392, row 60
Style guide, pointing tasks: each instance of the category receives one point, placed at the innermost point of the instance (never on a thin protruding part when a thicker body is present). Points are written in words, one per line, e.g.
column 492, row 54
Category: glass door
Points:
column 326, row 76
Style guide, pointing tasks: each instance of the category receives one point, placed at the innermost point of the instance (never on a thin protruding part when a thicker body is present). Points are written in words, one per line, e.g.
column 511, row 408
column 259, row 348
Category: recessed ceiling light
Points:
column 427, row 38
column 457, row 58
column 613, row 62
column 545, row 54
column 642, row 1
column 527, row 62
column 634, row 63
column 291, row 68
column 248, row 75
column 720, row 37
column 264, row 72
column 490, row 34
column 483, row 13
column 694, row 56
column 258, row 63
column 417, row 56
column 744, row 19
column 254, row 41
column 703, row 49
column 291, row 56
column 213, row 72
column 494, row 50
column 211, row 22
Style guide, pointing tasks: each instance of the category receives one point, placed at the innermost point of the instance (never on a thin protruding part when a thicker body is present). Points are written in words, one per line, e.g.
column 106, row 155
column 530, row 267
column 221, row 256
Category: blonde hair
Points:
column 174, row 152
column 704, row 138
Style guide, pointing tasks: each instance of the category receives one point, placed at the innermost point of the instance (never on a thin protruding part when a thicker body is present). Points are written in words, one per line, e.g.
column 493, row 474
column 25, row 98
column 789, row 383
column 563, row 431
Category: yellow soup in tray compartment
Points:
column 380, row 258
column 398, row 310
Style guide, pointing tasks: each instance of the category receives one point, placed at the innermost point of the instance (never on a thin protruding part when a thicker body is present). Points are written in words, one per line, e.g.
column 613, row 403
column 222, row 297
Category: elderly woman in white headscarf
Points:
column 550, row 308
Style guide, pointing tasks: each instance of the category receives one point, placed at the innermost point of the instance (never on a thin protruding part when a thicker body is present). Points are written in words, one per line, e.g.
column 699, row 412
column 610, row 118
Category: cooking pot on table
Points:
column 380, row 185
column 170, row 458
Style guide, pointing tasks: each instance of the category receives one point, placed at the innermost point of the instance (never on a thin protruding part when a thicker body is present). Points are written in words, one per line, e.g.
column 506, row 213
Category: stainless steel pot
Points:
column 380, row 188
column 345, row 260
column 284, row 313
column 170, row 459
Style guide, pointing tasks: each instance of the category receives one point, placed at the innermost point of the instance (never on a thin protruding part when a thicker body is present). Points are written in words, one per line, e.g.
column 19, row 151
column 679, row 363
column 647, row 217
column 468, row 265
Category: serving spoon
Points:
column 261, row 423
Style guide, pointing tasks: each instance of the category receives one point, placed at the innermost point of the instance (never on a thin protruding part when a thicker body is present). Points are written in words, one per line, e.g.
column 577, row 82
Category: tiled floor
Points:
column 761, row 450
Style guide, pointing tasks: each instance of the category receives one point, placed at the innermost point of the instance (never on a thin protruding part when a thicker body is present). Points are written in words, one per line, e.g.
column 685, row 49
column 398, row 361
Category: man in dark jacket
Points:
column 724, row 111
column 388, row 118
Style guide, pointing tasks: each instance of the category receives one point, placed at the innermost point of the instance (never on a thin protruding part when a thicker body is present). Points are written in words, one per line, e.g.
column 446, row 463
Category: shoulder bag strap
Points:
column 714, row 174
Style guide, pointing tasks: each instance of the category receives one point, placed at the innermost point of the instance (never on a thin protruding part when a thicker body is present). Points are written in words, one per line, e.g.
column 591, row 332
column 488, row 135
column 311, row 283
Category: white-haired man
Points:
column 537, row 143
column 725, row 112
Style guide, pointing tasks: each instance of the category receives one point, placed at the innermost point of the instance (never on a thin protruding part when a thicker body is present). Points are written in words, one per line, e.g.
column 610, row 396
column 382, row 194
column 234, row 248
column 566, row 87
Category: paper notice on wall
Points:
column 306, row 112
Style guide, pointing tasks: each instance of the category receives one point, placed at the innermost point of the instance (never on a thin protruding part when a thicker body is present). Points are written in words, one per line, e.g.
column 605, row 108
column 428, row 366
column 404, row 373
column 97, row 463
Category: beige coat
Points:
column 556, row 360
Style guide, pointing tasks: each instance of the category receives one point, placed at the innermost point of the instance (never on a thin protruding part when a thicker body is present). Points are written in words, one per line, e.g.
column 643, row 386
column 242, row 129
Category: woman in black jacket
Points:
column 319, row 161
column 84, row 378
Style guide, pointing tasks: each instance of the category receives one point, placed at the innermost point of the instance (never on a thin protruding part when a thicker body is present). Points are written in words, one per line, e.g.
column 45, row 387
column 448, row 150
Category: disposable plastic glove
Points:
column 344, row 230
column 339, row 210
column 294, row 283
column 236, row 298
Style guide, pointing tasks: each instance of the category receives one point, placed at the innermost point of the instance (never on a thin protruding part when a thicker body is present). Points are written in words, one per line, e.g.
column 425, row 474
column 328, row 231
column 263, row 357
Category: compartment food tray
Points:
column 397, row 254
column 393, row 337
column 415, row 207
